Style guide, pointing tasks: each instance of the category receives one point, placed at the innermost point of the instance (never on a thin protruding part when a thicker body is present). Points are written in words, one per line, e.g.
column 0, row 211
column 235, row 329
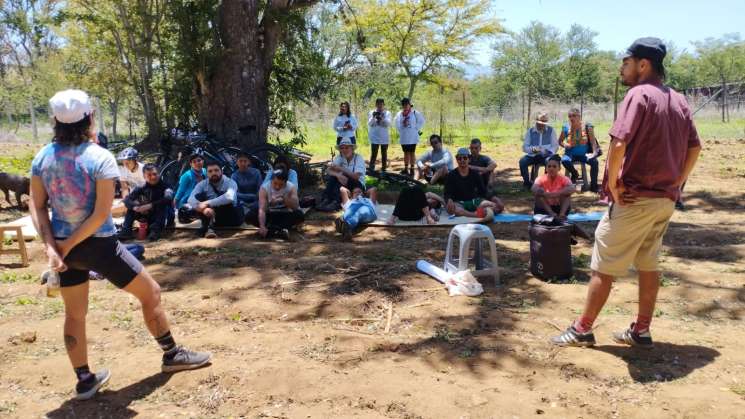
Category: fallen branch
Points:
column 362, row 319
column 428, row 289
column 554, row 325
column 419, row 305
column 390, row 317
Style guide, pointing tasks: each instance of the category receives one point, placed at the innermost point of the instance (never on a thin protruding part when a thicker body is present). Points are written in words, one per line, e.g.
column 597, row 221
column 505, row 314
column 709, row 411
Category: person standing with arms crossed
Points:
column 77, row 177
column 409, row 124
column 654, row 147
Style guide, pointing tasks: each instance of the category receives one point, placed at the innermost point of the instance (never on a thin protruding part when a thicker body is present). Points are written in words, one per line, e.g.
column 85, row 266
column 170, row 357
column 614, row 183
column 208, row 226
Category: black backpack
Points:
column 550, row 251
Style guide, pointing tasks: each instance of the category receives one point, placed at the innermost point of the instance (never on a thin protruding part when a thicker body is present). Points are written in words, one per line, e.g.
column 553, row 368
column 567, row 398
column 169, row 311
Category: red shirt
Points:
column 553, row 185
column 655, row 123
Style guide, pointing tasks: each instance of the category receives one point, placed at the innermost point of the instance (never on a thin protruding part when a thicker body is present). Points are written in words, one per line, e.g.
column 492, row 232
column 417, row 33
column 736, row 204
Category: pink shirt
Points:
column 655, row 123
column 553, row 185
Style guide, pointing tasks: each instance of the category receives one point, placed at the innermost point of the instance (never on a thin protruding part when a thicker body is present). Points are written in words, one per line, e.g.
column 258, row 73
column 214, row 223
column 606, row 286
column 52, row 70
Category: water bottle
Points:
column 51, row 280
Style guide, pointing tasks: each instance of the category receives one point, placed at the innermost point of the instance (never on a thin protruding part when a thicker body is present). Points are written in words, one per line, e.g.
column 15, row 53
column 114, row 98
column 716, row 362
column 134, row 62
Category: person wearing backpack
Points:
column 580, row 145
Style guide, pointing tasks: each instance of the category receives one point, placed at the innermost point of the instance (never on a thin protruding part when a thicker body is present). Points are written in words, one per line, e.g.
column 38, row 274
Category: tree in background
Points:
column 133, row 25
column 419, row 37
column 530, row 59
column 581, row 70
column 235, row 94
column 722, row 61
column 28, row 45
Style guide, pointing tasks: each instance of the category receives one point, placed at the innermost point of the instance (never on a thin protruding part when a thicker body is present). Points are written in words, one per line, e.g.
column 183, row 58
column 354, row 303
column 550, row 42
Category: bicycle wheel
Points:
column 263, row 155
column 171, row 173
column 229, row 157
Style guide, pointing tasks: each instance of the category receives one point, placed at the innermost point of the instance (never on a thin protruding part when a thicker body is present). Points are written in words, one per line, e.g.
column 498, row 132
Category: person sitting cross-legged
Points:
column 249, row 181
column 347, row 170
column 553, row 191
column 540, row 142
column 580, row 145
column 279, row 206
column 151, row 203
column 481, row 163
column 465, row 191
column 358, row 210
column 214, row 201
column 435, row 164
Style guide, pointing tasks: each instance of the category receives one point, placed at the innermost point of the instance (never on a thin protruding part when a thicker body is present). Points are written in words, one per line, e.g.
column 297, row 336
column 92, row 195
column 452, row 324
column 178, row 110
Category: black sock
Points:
column 83, row 373
column 167, row 344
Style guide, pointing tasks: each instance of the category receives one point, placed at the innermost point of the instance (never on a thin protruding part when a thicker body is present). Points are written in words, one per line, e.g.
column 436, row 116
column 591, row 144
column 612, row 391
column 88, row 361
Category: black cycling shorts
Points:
column 104, row 255
column 408, row 148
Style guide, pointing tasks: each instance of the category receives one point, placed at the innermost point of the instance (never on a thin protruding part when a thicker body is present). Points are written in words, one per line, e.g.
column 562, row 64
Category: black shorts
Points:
column 538, row 209
column 104, row 255
column 408, row 148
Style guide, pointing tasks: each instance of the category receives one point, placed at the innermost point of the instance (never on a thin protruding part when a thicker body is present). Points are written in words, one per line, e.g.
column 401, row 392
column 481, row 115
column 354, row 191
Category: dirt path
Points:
column 299, row 329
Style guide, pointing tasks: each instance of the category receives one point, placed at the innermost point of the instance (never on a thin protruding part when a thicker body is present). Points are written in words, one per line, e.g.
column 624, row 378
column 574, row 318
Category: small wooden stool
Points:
column 19, row 238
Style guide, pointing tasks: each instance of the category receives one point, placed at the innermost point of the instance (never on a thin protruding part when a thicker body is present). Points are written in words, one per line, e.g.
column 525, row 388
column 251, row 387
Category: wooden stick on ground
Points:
column 390, row 316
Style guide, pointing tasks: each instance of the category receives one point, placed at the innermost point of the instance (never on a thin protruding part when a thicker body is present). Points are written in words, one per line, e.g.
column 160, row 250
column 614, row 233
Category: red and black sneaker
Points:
column 631, row 338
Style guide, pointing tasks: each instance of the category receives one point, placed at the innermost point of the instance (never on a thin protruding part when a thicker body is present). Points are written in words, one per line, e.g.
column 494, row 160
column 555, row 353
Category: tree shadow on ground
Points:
column 111, row 404
column 709, row 202
column 706, row 243
column 666, row 362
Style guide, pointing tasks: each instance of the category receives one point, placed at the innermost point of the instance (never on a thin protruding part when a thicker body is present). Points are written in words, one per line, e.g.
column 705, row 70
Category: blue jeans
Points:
column 568, row 161
column 528, row 160
column 357, row 214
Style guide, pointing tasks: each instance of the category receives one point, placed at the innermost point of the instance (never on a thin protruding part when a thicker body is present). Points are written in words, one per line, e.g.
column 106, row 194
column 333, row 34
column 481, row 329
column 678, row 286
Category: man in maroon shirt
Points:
column 653, row 150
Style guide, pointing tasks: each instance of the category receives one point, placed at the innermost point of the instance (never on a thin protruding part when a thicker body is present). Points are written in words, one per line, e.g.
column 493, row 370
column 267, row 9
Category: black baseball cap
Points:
column 650, row 48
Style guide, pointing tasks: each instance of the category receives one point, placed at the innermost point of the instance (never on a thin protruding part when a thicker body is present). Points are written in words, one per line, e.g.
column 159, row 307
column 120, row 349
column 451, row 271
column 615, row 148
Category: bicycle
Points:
column 261, row 157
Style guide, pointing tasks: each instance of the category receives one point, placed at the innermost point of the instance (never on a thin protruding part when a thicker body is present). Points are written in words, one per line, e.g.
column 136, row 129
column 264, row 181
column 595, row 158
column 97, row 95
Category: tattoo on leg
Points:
column 70, row 342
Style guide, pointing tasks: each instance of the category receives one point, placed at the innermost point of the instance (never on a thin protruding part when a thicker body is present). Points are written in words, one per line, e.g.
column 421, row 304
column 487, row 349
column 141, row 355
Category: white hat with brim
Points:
column 345, row 141
column 70, row 106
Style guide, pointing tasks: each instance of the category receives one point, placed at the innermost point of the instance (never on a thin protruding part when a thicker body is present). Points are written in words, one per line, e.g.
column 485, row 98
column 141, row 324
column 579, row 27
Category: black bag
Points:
column 550, row 251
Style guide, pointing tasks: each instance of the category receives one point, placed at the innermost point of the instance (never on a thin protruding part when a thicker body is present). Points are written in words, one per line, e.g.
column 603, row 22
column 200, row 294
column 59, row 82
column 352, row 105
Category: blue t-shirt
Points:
column 69, row 174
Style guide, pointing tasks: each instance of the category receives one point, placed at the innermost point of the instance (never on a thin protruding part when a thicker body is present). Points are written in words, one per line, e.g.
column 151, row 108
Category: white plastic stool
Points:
column 477, row 237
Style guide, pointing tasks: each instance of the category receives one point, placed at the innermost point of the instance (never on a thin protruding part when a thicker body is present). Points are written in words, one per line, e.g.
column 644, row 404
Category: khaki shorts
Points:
column 631, row 234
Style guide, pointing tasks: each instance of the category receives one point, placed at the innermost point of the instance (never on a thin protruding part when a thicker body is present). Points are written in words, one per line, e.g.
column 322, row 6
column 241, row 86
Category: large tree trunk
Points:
column 235, row 102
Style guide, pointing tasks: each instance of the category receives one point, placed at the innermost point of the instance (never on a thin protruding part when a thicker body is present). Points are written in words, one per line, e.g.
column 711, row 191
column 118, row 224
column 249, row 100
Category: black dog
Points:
column 18, row 184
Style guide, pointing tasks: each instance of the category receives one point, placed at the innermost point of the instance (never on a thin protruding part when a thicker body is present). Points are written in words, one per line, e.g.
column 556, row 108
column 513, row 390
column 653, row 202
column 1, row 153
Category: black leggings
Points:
column 383, row 155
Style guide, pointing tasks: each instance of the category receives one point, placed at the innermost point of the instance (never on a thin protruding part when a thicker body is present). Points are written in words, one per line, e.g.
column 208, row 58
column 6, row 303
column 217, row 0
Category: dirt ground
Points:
column 319, row 328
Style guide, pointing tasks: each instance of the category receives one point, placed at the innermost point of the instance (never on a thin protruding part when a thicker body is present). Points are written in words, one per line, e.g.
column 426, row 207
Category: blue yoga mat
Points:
column 575, row 217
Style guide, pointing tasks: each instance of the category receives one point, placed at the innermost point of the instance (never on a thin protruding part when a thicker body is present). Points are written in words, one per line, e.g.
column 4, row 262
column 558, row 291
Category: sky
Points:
column 619, row 22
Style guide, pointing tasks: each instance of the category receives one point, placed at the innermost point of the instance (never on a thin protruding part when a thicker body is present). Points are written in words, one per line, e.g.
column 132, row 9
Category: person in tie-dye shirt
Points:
column 76, row 176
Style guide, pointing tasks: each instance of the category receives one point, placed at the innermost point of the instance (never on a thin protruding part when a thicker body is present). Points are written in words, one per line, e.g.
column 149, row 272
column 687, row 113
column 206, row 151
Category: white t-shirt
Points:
column 409, row 127
column 355, row 165
column 342, row 120
column 272, row 193
column 378, row 130
column 133, row 179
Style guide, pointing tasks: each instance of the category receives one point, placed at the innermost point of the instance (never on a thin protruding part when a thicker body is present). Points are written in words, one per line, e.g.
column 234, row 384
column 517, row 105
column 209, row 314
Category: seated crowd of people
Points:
column 271, row 201
column 204, row 193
